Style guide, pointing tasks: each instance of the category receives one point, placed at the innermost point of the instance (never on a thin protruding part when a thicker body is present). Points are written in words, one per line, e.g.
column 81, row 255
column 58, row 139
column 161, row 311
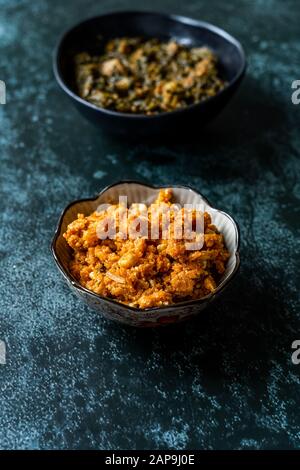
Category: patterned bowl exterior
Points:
column 139, row 192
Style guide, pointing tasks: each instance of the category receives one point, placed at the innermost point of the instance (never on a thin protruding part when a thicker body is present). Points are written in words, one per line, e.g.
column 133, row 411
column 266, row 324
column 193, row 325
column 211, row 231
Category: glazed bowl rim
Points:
column 173, row 307
column 177, row 18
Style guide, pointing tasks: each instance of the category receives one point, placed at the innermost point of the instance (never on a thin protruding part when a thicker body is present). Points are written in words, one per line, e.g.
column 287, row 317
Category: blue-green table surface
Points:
column 224, row 380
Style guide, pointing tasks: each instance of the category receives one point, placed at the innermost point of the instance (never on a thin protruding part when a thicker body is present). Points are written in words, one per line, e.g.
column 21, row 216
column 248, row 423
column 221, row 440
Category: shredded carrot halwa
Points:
column 141, row 271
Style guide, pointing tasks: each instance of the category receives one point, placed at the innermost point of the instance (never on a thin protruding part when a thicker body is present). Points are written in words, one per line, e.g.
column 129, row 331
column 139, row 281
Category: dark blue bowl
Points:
column 85, row 37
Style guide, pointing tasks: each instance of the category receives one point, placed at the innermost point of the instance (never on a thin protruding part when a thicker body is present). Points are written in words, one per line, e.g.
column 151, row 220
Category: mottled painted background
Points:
column 222, row 381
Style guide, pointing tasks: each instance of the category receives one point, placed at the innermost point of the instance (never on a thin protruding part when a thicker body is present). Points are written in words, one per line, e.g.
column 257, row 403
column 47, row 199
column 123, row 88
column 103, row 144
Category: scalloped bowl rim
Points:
column 206, row 298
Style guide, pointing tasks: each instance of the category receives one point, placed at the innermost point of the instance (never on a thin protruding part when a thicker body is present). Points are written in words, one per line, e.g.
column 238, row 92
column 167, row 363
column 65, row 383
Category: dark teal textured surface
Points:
column 224, row 380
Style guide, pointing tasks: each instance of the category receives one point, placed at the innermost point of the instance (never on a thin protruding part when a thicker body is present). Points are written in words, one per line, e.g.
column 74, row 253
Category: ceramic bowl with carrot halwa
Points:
column 146, row 256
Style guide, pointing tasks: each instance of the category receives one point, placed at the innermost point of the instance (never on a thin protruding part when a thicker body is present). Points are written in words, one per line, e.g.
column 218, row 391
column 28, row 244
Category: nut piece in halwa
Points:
column 147, row 76
column 146, row 271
